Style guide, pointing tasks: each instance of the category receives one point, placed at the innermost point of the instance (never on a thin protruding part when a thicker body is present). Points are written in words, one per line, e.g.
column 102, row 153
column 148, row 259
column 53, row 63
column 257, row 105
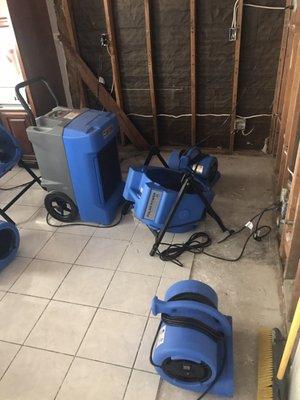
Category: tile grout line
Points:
column 21, row 345
column 146, row 324
column 90, row 323
column 34, row 325
column 161, row 380
column 77, row 356
column 139, row 346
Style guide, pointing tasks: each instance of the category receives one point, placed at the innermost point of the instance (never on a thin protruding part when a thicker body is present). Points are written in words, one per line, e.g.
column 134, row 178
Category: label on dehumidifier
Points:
column 161, row 336
column 154, row 200
column 72, row 114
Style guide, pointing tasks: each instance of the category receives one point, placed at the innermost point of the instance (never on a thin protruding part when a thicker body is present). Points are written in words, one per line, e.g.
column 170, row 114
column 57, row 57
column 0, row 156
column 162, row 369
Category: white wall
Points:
column 294, row 391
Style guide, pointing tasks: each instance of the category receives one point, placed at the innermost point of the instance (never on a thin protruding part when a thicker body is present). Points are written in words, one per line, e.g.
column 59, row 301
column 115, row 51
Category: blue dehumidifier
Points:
column 193, row 346
column 77, row 155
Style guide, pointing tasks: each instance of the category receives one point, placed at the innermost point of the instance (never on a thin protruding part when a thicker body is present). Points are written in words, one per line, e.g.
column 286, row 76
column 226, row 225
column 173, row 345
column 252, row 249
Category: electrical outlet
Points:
column 232, row 34
column 104, row 40
column 240, row 124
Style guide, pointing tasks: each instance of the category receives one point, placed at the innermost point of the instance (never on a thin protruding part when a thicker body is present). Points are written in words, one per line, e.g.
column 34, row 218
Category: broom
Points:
column 274, row 356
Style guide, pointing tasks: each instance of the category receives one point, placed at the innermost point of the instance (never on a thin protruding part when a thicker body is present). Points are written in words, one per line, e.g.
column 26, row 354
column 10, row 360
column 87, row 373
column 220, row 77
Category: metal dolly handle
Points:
column 24, row 103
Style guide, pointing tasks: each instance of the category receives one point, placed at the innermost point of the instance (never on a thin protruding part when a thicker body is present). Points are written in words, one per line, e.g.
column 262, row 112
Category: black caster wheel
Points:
column 61, row 207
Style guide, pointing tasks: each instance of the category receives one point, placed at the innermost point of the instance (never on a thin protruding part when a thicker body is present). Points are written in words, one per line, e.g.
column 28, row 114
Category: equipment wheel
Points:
column 61, row 207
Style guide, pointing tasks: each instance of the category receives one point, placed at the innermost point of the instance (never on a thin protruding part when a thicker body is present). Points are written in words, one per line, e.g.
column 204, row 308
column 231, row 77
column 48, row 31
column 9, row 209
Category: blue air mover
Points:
column 203, row 166
column 193, row 347
column 77, row 154
column 9, row 243
column 154, row 190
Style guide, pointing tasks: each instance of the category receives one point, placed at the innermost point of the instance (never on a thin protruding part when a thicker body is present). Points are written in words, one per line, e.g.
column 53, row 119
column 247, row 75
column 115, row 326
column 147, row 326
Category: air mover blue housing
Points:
column 193, row 348
column 153, row 190
column 204, row 166
column 9, row 243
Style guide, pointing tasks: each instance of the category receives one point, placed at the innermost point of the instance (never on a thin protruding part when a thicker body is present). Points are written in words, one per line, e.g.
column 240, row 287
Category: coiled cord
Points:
column 199, row 241
column 195, row 244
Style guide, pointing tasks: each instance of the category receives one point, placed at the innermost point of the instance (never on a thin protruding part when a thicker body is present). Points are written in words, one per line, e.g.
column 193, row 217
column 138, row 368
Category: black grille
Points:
column 109, row 168
column 7, row 243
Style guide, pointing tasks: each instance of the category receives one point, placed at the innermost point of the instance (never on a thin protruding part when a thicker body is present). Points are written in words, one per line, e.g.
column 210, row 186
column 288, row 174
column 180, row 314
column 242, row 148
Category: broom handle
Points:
column 289, row 343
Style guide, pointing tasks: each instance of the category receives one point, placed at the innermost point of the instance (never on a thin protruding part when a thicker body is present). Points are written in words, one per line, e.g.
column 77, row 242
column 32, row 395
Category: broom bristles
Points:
column 265, row 366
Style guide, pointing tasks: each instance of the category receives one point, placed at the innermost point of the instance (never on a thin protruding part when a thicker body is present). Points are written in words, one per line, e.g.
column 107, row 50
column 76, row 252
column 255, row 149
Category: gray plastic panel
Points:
column 47, row 141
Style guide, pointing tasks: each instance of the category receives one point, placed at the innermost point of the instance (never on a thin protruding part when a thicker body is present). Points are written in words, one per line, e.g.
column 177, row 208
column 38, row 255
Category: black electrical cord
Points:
column 195, row 244
column 17, row 186
column 219, row 374
column 124, row 211
column 82, row 223
column 198, row 241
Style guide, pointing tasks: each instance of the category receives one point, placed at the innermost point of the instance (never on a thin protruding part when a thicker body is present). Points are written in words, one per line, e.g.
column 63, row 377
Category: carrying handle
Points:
column 24, row 103
column 182, row 307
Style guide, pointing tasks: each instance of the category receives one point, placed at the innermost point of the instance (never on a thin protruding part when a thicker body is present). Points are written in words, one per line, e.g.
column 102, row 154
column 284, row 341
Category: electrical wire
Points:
column 219, row 374
column 17, row 186
column 234, row 15
column 125, row 208
column 199, row 241
column 266, row 7
column 82, row 223
column 198, row 115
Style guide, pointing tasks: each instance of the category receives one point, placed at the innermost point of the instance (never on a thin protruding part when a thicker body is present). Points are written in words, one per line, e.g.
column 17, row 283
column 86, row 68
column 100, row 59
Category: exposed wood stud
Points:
column 290, row 116
column 236, row 69
column 193, row 33
column 104, row 97
column 68, row 14
column 281, row 86
column 112, row 46
column 150, row 69
column 280, row 71
column 289, row 244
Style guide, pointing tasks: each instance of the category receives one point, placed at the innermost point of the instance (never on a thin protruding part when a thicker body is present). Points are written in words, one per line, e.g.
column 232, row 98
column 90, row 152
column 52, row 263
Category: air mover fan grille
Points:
column 7, row 242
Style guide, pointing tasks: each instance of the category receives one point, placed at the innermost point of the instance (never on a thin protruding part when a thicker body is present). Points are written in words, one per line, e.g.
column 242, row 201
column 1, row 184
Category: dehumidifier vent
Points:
column 109, row 168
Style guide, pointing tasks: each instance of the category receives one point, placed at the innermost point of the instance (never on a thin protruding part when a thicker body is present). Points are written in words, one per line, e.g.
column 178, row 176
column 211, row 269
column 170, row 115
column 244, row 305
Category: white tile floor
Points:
column 74, row 307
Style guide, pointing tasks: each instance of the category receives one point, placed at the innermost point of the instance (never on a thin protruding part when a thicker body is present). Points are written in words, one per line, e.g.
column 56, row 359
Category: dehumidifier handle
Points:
column 24, row 103
column 183, row 307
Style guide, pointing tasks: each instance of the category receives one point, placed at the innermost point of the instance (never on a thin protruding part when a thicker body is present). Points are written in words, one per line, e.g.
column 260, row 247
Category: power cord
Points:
column 124, row 211
column 199, row 241
column 17, row 186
